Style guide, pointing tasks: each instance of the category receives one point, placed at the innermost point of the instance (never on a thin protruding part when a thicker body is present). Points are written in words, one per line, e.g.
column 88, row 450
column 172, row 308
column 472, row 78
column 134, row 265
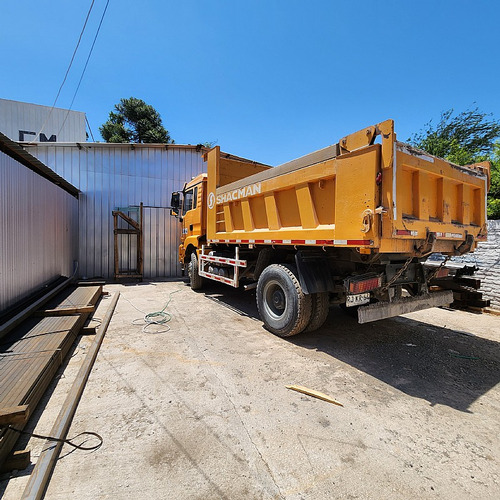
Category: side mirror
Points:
column 175, row 204
column 175, row 201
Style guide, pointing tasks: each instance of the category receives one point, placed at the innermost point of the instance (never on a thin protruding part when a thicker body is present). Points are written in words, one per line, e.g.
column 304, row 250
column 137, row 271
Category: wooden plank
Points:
column 9, row 325
column 18, row 460
column 78, row 297
column 467, row 281
column 126, row 231
column 126, row 218
column 64, row 311
column 314, row 394
column 479, row 303
column 33, row 353
column 447, row 284
column 29, row 356
column 91, row 283
column 14, row 415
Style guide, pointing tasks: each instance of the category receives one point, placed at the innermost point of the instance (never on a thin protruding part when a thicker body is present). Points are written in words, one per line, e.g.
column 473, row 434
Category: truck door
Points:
column 192, row 211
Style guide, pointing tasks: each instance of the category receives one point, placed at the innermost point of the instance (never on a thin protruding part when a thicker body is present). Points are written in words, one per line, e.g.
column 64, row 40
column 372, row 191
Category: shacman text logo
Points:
column 239, row 193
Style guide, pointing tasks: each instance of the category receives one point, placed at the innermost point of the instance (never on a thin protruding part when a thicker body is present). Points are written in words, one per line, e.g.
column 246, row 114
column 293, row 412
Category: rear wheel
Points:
column 320, row 309
column 195, row 280
column 283, row 306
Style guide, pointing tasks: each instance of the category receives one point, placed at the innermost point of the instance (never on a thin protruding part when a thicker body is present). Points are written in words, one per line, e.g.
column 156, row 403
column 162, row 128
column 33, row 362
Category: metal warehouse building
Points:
column 46, row 228
column 38, row 221
column 123, row 175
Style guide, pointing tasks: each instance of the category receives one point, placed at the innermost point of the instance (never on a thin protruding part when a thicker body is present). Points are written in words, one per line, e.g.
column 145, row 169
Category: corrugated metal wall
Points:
column 117, row 175
column 65, row 125
column 39, row 231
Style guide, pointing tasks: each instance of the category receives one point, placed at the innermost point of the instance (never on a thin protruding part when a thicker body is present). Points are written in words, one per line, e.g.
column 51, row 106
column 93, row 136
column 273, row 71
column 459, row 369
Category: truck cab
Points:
column 189, row 207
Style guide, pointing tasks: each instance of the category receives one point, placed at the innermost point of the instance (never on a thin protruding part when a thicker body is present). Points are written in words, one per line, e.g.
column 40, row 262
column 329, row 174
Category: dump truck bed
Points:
column 383, row 196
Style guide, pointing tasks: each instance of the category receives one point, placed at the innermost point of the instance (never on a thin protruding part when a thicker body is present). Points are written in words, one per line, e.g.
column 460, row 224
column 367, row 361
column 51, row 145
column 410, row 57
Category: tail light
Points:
column 363, row 284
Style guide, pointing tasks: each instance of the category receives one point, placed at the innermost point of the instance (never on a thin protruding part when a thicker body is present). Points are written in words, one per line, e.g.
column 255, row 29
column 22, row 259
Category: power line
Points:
column 84, row 69
column 67, row 71
column 90, row 130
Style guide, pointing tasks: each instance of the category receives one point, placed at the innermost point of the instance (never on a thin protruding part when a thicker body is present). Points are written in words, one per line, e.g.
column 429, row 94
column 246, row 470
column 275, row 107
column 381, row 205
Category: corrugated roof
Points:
column 129, row 145
column 132, row 145
column 15, row 151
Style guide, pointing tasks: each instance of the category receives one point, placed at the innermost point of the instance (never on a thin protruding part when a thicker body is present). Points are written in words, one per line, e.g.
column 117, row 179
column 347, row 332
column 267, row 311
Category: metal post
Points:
column 140, row 243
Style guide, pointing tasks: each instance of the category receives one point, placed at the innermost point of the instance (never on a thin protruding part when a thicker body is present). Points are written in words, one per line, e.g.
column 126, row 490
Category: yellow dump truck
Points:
column 351, row 224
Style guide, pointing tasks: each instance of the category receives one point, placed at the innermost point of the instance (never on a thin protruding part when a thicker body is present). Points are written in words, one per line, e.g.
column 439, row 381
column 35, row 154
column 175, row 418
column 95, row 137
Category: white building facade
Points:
column 25, row 122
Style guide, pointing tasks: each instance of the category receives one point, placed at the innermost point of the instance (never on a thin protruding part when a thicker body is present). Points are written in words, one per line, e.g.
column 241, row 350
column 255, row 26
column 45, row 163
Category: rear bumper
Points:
column 382, row 310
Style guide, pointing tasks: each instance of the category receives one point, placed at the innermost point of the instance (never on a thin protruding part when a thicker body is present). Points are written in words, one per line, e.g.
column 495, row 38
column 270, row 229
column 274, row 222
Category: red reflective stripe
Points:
column 359, row 242
column 314, row 242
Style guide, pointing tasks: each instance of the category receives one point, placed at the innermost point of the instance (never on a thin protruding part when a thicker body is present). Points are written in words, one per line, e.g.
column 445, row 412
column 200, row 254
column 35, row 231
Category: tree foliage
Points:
column 466, row 138
column 134, row 121
column 494, row 194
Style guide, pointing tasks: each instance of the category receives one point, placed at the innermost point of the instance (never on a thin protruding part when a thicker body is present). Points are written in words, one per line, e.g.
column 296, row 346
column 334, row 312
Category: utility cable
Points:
column 67, row 71
column 90, row 130
column 84, row 69
column 60, row 440
column 161, row 317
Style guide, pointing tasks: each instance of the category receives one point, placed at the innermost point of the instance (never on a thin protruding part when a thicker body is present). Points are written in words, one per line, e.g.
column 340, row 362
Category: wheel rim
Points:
column 275, row 302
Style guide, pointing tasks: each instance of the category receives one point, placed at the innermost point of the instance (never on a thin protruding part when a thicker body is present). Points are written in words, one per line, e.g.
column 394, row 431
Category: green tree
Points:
column 494, row 194
column 465, row 138
column 134, row 121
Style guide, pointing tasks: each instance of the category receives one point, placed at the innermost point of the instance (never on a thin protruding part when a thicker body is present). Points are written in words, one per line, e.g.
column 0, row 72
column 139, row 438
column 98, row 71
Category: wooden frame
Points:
column 135, row 228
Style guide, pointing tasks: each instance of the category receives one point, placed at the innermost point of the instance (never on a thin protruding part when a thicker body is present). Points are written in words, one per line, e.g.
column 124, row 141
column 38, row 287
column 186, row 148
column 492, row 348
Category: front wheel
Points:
column 283, row 306
column 195, row 280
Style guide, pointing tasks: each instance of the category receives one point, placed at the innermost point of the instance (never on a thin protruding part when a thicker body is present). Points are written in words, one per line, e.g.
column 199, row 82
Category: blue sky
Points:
column 268, row 80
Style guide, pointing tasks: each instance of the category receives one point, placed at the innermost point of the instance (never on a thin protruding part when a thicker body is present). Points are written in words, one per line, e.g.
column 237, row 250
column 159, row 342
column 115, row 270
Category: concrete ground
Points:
column 202, row 411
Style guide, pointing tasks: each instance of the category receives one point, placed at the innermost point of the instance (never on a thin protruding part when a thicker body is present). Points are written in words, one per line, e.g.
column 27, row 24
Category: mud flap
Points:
column 382, row 310
column 314, row 273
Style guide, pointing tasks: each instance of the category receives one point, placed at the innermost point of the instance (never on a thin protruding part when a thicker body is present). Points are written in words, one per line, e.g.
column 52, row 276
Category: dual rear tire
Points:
column 284, row 307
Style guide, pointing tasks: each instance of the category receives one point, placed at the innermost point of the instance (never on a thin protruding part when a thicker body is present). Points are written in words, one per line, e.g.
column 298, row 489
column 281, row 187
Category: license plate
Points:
column 357, row 300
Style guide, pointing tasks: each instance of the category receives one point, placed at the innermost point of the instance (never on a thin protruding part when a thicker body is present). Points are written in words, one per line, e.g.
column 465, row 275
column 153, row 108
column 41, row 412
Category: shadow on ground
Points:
column 440, row 365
